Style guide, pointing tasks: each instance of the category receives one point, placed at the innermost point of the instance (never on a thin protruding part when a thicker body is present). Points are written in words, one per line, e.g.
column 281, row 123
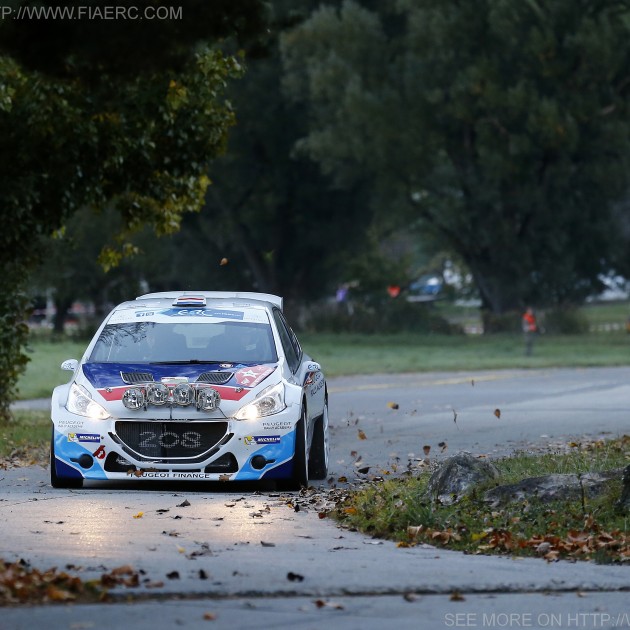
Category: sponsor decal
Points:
column 252, row 376
column 277, row 425
column 84, row 437
column 316, row 387
column 69, row 423
column 204, row 312
column 99, row 453
column 261, row 439
column 145, row 314
column 165, row 474
column 226, row 365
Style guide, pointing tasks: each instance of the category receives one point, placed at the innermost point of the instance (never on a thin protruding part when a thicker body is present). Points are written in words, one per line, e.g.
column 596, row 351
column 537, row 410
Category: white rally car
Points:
column 206, row 386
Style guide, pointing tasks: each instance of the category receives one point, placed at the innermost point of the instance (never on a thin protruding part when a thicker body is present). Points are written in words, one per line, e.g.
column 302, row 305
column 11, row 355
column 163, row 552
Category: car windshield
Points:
column 151, row 342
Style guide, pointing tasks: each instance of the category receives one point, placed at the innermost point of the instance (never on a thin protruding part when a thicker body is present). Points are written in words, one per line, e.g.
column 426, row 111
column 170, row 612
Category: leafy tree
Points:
column 272, row 213
column 497, row 128
column 78, row 131
column 70, row 270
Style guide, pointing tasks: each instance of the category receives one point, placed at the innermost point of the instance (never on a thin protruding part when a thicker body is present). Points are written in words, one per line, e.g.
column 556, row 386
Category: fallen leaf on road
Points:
column 456, row 596
column 497, row 413
column 138, row 515
column 320, row 603
column 393, row 405
column 361, row 434
column 267, row 544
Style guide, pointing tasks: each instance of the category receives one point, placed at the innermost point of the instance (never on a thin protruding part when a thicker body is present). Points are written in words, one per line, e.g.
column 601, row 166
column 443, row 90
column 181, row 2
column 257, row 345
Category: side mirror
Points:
column 70, row 365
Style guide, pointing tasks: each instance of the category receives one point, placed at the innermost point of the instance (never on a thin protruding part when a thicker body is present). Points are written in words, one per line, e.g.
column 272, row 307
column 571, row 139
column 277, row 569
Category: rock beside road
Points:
column 552, row 488
column 624, row 500
column 458, row 476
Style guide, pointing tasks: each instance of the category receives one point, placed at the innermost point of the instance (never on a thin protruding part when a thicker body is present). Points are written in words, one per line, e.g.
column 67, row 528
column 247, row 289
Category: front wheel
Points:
column 299, row 478
column 318, row 457
column 55, row 480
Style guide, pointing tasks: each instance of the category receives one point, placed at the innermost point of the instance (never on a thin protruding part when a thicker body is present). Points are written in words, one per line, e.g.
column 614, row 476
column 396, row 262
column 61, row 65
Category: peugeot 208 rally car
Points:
column 206, row 386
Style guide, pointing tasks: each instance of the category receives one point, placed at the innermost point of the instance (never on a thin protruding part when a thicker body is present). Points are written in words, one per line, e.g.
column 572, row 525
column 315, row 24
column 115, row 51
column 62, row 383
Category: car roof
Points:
column 201, row 298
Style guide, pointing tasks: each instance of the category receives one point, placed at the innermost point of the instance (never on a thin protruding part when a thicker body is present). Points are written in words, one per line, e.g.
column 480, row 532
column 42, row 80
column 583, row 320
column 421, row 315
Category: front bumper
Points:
column 201, row 449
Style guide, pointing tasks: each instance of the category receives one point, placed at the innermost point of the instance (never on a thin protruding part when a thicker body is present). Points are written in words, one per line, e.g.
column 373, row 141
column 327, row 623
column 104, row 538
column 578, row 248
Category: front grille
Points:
column 215, row 378
column 131, row 378
column 168, row 440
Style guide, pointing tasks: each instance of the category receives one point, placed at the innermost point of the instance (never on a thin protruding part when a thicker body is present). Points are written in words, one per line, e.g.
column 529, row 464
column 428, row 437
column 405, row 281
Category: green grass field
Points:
column 43, row 371
column 366, row 354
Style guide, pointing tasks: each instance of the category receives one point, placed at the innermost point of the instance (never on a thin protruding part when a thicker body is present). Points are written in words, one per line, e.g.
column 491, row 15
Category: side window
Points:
column 294, row 340
column 293, row 358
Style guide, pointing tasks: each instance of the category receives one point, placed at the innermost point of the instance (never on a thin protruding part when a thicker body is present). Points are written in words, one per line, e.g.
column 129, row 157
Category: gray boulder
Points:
column 624, row 500
column 552, row 488
column 457, row 476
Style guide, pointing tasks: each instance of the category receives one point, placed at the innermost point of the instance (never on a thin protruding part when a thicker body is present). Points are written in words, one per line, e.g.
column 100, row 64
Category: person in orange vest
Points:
column 530, row 328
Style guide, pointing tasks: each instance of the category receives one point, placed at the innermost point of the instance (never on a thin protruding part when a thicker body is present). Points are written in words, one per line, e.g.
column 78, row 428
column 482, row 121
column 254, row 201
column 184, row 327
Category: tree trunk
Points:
column 62, row 306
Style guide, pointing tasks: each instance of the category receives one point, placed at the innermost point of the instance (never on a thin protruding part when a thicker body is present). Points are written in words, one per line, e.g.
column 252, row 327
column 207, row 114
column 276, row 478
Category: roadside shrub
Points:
column 565, row 321
column 505, row 322
column 389, row 317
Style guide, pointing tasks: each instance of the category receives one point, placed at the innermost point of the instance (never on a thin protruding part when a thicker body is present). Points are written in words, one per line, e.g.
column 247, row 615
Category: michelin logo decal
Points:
column 84, row 437
column 261, row 439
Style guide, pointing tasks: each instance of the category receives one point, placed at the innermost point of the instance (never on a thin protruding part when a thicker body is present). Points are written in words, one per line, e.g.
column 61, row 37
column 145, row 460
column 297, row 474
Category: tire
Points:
column 318, row 457
column 299, row 478
column 60, row 482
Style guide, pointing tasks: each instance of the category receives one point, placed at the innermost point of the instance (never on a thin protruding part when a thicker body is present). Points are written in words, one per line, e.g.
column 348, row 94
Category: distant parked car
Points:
column 177, row 386
column 425, row 288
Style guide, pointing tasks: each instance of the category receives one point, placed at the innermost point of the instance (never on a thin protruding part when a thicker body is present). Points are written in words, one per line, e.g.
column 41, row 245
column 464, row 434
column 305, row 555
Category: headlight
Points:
column 81, row 403
column 270, row 401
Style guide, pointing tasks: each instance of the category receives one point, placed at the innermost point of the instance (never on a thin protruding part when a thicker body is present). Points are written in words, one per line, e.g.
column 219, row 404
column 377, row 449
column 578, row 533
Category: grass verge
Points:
column 25, row 440
column 400, row 510
column 370, row 354
column 43, row 371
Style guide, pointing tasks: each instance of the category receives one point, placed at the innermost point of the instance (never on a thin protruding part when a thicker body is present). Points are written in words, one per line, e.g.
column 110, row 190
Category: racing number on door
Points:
column 170, row 439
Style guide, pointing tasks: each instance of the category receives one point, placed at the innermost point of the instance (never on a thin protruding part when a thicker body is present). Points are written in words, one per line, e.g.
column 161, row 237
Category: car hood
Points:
column 237, row 384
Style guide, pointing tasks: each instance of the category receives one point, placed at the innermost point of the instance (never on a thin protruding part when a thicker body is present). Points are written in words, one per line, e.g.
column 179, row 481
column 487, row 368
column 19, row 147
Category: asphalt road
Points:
column 247, row 558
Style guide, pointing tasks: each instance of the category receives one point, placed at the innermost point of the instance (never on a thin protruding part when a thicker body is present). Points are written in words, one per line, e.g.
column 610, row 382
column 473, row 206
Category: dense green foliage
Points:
column 368, row 136
column 79, row 132
column 499, row 129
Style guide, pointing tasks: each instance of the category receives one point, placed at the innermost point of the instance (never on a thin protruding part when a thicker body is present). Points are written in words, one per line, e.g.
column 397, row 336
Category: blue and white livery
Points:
column 197, row 386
